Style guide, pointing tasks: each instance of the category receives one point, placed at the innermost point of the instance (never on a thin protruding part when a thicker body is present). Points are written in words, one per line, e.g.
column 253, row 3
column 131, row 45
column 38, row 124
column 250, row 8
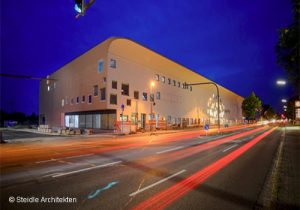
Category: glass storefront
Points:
column 98, row 119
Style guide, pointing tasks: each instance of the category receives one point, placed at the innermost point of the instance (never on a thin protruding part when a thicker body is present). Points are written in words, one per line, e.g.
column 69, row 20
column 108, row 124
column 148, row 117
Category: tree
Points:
column 268, row 112
column 288, row 48
column 251, row 106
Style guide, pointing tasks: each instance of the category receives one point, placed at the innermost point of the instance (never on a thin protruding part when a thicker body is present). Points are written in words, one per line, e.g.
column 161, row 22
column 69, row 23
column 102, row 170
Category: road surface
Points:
column 172, row 171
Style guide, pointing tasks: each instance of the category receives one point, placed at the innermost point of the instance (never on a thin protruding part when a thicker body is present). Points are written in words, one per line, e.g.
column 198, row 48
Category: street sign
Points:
column 206, row 127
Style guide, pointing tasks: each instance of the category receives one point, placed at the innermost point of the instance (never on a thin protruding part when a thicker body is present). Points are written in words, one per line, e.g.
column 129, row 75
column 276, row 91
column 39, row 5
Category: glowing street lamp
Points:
column 152, row 84
column 281, row 82
column 283, row 100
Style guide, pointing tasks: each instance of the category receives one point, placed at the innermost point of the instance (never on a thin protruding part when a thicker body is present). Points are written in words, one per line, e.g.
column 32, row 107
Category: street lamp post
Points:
column 218, row 96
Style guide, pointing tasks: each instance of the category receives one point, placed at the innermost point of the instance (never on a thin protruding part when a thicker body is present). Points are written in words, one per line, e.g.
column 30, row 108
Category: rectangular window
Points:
column 163, row 79
column 113, row 63
column 128, row 102
column 158, row 95
column 72, row 101
column 151, row 97
column 156, row 77
column 77, row 100
column 114, row 84
column 113, row 99
column 169, row 119
column 125, row 89
column 103, row 94
column 67, row 100
column 62, row 102
column 144, row 96
column 191, row 88
column 178, row 84
column 95, row 90
column 90, row 99
column 136, row 94
column 123, row 118
column 104, row 79
column 100, row 66
column 169, row 81
column 83, row 99
column 174, row 82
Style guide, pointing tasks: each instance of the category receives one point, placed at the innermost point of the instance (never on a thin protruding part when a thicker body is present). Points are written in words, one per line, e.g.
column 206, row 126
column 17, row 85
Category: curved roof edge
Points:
column 112, row 39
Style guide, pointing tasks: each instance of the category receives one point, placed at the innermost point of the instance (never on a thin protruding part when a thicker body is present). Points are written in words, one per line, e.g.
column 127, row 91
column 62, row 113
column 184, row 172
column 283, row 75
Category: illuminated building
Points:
column 89, row 91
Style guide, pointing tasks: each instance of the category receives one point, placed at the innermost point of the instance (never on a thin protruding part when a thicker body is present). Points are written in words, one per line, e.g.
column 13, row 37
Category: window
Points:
column 125, row 89
column 169, row 119
column 123, row 117
column 77, row 100
column 67, row 100
column 100, row 66
column 95, row 90
column 90, row 99
column 144, row 96
column 113, row 63
column 151, row 97
column 163, row 79
column 83, row 99
column 182, row 85
column 156, row 77
column 72, row 101
column 174, row 82
column 178, row 84
column 128, row 102
column 62, row 102
column 169, row 81
column 104, row 79
column 191, row 88
column 158, row 95
column 113, row 99
column 103, row 94
column 114, row 84
column 136, row 94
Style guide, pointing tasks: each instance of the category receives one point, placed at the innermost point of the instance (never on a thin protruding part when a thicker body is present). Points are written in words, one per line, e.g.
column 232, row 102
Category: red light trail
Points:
column 168, row 196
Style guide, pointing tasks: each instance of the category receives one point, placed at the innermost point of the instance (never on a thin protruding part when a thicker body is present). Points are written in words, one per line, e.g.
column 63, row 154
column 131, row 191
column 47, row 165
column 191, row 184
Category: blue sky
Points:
column 229, row 41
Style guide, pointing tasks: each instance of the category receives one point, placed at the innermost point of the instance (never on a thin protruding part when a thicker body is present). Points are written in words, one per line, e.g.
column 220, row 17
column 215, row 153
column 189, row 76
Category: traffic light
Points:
column 79, row 6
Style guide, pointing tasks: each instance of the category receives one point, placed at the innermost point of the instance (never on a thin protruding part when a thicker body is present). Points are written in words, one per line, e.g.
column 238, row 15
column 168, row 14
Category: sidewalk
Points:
column 11, row 135
column 287, row 192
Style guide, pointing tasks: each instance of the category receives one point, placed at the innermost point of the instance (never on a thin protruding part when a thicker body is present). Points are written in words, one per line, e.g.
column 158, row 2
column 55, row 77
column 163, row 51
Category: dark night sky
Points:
column 230, row 42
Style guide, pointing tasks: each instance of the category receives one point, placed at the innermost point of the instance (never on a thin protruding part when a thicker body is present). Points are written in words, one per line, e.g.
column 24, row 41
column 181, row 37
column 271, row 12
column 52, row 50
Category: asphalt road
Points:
column 174, row 171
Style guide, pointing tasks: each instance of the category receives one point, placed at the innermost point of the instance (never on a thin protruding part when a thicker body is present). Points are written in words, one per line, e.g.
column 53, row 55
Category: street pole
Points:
column 218, row 96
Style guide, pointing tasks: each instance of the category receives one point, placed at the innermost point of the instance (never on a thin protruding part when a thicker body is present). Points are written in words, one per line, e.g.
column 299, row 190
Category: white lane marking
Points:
column 86, row 169
column 169, row 150
column 230, row 147
column 156, row 183
column 78, row 156
column 53, row 159
column 45, row 161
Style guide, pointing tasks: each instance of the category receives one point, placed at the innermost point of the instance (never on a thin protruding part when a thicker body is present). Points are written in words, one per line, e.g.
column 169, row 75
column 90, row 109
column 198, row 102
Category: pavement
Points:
column 24, row 135
column 287, row 187
column 182, row 170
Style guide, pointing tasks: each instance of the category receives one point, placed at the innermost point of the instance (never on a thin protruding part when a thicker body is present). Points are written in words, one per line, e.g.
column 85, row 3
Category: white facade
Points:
column 107, row 71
